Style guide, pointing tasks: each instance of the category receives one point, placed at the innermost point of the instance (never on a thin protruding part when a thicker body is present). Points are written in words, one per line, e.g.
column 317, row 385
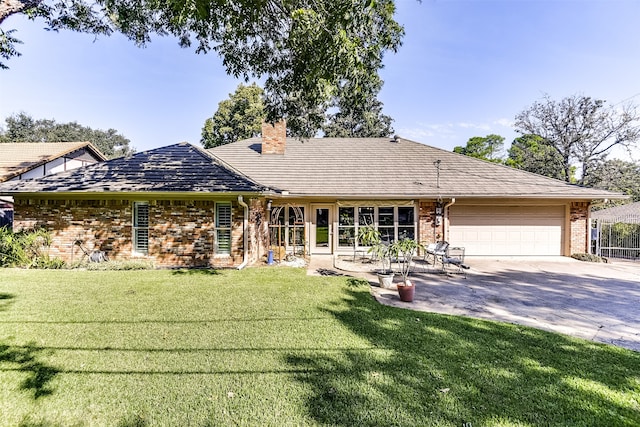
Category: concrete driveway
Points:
column 599, row 302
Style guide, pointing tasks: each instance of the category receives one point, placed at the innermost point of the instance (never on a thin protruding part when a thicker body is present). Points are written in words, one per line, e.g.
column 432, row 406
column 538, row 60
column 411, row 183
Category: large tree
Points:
column 236, row 118
column 307, row 51
column 23, row 128
column 616, row 175
column 358, row 120
column 533, row 154
column 489, row 148
column 581, row 129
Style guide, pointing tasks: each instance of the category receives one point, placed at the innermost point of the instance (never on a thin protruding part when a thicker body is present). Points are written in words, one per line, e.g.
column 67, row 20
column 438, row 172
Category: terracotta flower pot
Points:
column 406, row 291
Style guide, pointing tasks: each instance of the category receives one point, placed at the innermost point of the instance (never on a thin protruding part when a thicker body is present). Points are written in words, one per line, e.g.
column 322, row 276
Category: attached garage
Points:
column 507, row 230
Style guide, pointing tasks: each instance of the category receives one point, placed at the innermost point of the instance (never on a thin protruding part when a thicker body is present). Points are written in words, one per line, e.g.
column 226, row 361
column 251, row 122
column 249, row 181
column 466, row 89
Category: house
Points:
column 405, row 188
column 183, row 206
column 26, row 160
column 628, row 213
column 175, row 205
column 615, row 231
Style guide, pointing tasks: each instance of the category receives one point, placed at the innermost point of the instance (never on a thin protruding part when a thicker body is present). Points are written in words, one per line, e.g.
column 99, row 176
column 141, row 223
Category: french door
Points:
column 321, row 229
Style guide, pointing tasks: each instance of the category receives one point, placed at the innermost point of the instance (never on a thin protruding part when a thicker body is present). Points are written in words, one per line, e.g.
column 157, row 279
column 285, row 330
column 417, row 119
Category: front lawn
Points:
column 274, row 347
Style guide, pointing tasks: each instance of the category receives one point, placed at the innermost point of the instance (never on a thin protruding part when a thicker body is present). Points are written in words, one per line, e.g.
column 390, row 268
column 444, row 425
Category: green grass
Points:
column 273, row 347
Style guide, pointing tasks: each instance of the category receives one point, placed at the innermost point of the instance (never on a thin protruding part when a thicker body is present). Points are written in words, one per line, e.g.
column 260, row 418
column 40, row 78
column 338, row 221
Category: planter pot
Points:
column 406, row 291
column 385, row 280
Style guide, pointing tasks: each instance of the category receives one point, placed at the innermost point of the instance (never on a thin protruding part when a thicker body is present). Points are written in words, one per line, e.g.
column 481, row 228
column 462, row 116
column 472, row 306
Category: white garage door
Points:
column 507, row 230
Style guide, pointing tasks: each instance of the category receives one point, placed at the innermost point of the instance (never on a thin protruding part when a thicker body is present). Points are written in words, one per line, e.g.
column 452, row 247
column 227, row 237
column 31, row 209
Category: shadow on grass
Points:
column 194, row 271
column 444, row 370
column 25, row 359
column 5, row 300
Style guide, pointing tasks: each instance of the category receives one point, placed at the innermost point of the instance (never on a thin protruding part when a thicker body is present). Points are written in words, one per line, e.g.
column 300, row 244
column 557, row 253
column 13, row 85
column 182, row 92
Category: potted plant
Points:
column 380, row 250
column 367, row 237
column 404, row 250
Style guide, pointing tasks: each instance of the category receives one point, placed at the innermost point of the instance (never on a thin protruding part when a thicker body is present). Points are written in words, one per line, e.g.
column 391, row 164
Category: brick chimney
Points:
column 274, row 137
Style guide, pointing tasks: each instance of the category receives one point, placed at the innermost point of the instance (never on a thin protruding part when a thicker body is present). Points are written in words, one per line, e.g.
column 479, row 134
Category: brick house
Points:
column 183, row 206
column 175, row 206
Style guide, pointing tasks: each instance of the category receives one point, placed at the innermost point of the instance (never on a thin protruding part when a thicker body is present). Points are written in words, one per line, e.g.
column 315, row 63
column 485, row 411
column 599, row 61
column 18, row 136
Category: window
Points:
column 393, row 222
column 141, row 227
column 223, row 228
column 386, row 224
column 287, row 227
column 406, row 228
column 346, row 226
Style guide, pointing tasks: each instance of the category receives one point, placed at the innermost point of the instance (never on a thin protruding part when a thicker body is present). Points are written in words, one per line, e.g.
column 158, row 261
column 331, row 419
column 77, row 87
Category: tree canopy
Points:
column 534, row 154
column 238, row 117
column 616, row 175
column 489, row 148
column 580, row 129
column 307, row 51
column 358, row 120
column 23, row 128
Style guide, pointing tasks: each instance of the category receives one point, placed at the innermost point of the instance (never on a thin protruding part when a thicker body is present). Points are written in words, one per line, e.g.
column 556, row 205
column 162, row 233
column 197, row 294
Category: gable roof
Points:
column 630, row 211
column 175, row 168
column 20, row 157
column 386, row 168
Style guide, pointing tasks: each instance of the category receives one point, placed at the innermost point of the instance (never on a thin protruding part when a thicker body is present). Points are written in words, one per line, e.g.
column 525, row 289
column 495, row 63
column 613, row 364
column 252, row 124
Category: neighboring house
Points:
column 182, row 206
column 25, row 160
column 616, row 231
column 629, row 213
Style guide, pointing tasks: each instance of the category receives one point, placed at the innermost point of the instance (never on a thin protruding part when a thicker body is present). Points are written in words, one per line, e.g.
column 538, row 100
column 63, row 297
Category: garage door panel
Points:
column 507, row 230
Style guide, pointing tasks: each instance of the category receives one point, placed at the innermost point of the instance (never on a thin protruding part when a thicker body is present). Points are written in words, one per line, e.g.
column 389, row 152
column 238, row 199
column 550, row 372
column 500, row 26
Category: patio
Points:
column 593, row 301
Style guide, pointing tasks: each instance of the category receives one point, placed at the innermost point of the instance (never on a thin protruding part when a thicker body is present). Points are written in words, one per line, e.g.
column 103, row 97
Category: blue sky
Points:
column 465, row 69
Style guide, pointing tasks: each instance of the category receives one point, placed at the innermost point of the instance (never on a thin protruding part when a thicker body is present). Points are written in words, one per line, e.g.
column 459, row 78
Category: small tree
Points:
column 405, row 250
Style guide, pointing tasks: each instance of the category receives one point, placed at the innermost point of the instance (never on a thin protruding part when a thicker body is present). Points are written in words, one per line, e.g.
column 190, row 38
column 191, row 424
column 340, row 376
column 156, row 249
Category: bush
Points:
column 114, row 265
column 27, row 249
column 588, row 258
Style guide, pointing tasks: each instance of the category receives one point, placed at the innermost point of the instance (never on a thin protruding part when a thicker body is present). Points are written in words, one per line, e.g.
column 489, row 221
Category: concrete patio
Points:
column 598, row 302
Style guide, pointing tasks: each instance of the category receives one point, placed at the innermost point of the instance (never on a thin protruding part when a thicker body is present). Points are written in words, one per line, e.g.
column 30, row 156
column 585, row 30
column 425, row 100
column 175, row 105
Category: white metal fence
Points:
column 616, row 237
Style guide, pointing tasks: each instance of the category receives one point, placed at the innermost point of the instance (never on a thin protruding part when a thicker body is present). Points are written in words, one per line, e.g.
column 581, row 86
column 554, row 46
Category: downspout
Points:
column 245, row 240
column 446, row 216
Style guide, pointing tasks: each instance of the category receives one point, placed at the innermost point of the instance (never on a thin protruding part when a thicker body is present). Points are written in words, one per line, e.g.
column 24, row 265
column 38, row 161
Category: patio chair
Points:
column 432, row 254
column 435, row 250
column 455, row 257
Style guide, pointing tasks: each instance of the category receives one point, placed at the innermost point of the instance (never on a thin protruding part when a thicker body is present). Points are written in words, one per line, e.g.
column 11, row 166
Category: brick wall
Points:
column 579, row 220
column 181, row 232
column 427, row 232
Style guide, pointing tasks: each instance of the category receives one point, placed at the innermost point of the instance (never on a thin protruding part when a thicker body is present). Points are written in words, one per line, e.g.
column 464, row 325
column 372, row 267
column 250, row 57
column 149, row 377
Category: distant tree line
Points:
column 570, row 140
column 22, row 127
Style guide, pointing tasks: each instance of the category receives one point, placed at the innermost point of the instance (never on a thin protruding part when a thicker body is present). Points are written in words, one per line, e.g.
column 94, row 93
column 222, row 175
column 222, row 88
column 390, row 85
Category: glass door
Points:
column 321, row 229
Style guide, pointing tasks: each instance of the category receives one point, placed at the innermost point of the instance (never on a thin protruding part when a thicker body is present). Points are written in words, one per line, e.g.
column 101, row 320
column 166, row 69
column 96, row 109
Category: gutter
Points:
column 245, row 226
column 445, row 211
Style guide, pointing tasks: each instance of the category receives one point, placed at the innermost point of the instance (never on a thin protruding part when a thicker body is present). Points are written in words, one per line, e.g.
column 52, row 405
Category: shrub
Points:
column 115, row 265
column 588, row 257
column 27, row 248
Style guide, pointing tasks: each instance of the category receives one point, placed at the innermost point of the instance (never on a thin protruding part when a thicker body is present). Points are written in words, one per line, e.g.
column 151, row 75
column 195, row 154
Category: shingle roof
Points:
column 19, row 157
column 385, row 168
column 630, row 211
column 175, row 168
